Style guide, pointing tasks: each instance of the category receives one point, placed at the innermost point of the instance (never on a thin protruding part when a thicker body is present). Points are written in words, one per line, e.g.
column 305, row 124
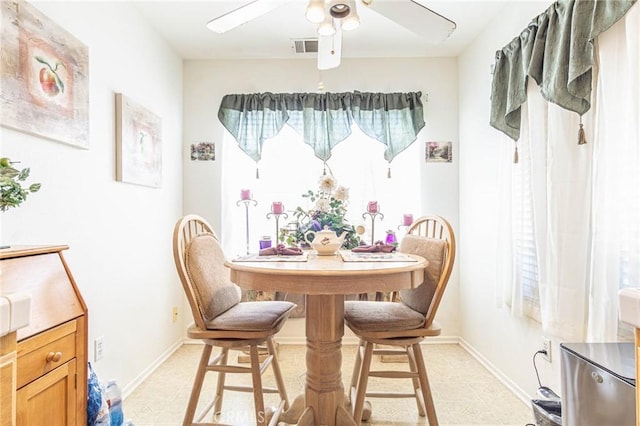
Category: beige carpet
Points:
column 465, row 393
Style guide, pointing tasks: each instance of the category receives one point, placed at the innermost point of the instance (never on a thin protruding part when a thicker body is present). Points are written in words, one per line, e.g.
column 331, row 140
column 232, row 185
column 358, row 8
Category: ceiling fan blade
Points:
column 243, row 14
column 330, row 50
column 415, row 17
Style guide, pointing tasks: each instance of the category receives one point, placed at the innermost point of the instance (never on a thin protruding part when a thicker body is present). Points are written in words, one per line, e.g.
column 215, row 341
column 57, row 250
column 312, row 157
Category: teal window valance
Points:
column 557, row 51
column 323, row 119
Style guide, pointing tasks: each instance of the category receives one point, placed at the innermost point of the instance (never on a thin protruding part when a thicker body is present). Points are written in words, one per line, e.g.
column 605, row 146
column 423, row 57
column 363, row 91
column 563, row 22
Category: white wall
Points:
column 206, row 82
column 119, row 234
column 503, row 341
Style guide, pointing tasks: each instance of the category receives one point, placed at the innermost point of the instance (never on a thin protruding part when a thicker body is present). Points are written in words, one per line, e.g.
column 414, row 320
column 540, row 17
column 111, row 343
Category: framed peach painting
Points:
column 44, row 77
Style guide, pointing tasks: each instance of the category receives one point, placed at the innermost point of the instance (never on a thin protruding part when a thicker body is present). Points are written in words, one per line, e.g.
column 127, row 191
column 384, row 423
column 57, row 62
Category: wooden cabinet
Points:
column 51, row 352
column 8, row 379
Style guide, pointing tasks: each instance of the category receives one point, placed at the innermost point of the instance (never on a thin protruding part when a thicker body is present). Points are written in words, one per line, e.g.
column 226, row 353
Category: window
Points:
column 572, row 210
column 289, row 168
column 524, row 244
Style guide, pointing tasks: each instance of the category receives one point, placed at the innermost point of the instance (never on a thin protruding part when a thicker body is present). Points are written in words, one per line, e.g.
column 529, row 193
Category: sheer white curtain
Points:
column 581, row 202
column 615, row 251
column 562, row 225
column 546, row 197
column 288, row 169
column 522, row 185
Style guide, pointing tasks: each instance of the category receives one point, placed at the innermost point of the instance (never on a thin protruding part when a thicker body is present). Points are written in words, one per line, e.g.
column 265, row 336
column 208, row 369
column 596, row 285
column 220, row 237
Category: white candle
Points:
column 407, row 219
column 372, row 207
column 245, row 194
column 276, row 207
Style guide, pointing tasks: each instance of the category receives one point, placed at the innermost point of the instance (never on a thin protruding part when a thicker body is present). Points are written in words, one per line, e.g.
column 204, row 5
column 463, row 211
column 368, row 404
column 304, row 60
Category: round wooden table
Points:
column 325, row 280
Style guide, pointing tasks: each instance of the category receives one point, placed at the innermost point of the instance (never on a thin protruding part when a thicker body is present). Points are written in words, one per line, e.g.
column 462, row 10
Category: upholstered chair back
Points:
column 213, row 290
column 431, row 237
column 419, row 299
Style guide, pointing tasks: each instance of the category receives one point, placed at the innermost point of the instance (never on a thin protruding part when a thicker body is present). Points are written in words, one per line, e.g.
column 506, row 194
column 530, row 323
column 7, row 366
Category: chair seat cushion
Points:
column 252, row 316
column 381, row 316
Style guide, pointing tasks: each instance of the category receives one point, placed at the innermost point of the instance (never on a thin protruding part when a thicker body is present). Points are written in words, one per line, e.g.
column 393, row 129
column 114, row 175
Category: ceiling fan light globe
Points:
column 351, row 22
column 315, row 11
column 326, row 29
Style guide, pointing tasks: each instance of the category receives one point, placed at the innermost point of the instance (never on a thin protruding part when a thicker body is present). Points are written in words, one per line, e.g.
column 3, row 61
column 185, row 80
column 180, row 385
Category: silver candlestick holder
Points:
column 373, row 217
column 277, row 217
column 246, row 215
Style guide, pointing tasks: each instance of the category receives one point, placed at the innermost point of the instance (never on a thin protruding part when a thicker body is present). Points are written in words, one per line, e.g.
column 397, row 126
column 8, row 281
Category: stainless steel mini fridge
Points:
column 598, row 384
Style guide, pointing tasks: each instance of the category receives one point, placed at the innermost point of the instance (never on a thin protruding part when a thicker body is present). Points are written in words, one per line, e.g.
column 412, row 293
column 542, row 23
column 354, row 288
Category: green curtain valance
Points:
column 557, row 51
column 323, row 119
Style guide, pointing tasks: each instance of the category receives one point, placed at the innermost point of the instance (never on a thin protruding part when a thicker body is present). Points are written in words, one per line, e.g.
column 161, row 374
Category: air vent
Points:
column 305, row 45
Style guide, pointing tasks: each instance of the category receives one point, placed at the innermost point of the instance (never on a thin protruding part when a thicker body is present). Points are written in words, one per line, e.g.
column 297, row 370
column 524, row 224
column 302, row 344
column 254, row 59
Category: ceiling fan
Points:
column 334, row 16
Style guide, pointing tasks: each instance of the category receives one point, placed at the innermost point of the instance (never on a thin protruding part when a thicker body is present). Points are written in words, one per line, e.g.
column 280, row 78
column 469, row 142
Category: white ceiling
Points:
column 183, row 25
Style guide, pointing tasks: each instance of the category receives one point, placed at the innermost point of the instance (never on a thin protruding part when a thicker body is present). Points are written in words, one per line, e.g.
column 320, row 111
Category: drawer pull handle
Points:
column 54, row 356
column 596, row 377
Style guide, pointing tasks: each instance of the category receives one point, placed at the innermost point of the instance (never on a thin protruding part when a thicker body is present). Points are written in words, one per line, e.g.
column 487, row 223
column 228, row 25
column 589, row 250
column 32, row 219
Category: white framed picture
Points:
column 138, row 144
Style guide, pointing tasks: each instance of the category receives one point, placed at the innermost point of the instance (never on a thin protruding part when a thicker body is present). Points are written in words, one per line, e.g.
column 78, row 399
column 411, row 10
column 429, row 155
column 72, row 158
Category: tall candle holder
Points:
column 407, row 221
column 246, row 215
column 277, row 216
column 373, row 216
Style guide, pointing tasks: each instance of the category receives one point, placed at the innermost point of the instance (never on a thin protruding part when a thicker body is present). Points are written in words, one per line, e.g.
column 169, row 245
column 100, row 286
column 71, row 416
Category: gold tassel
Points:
column 582, row 139
column 515, row 155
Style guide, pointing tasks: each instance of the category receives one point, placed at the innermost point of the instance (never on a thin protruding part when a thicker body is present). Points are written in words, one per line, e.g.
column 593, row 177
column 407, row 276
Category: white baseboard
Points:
column 130, row 387
column 512, row 386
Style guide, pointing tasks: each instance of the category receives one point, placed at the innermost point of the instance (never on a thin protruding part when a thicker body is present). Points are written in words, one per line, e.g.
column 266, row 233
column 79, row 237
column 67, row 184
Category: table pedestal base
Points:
column 300, row 415
column 324, row 401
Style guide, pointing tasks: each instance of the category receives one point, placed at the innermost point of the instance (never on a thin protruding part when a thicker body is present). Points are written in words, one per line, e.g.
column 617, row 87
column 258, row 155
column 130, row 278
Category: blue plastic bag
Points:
column 94, row 396
column 97, row 408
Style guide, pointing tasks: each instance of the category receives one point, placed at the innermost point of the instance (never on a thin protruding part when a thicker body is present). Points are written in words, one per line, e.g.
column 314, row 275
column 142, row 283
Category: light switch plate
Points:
column 98, row 346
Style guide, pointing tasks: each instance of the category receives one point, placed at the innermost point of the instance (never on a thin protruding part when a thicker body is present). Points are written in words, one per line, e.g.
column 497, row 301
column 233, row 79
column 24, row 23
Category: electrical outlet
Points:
column 546, row 345
column 175, row 313
column 98, row 346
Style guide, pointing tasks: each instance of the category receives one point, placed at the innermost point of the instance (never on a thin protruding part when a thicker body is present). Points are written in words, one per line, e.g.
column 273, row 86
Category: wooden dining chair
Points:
column 404, row 323
column 222, row 320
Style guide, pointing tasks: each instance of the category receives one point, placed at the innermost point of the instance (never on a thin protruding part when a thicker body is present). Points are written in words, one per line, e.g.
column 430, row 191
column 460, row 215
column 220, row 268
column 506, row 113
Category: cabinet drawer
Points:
column 46, row 351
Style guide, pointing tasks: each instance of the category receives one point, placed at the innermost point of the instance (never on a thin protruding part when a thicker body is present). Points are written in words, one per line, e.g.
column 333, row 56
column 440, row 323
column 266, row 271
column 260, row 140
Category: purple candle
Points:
column 391, row 238
column 372, row 207
column 407, row 219
column 265, row 242
column 276, row 207
column 245, row 194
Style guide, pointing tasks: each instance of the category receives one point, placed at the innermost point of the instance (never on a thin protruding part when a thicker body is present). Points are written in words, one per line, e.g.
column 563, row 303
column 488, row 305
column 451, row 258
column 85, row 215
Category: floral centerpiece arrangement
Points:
column 329, row 210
